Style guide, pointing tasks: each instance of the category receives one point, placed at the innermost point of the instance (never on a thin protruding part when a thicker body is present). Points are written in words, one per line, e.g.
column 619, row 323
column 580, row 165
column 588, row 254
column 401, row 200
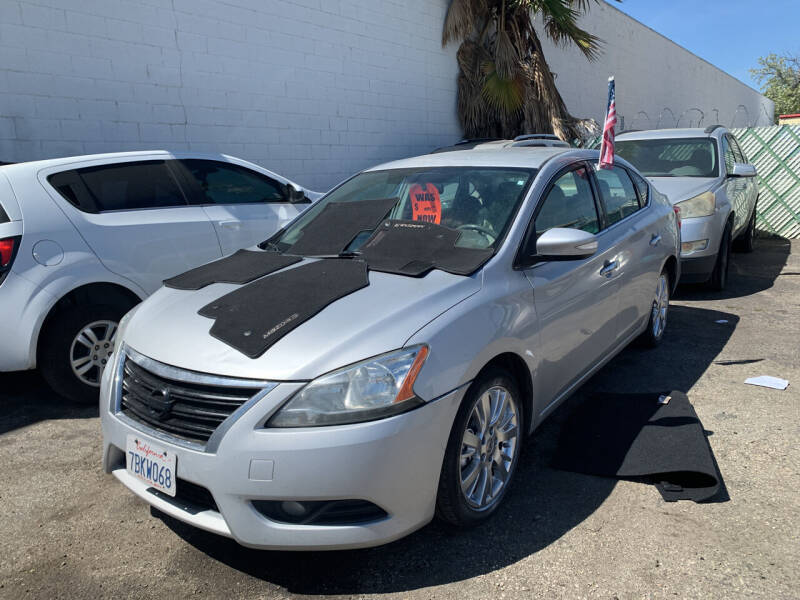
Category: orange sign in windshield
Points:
column 425, row 203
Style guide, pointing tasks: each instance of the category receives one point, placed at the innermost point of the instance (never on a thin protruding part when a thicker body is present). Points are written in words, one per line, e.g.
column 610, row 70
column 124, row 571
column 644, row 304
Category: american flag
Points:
column 607, row 145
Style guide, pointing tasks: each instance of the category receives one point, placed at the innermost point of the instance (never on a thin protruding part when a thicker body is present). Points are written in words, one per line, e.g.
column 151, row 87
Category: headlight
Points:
column 369, row 390
column 699, row 206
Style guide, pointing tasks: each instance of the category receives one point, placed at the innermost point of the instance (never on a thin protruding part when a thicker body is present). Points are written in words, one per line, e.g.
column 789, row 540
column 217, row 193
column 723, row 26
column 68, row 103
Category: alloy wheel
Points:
column 90, row 351
column 489, row 448
column 660, row 306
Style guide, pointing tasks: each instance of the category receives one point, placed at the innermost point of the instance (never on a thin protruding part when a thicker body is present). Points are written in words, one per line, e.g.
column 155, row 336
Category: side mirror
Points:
column 560, row 243
column 743, row 170
column 295, row 194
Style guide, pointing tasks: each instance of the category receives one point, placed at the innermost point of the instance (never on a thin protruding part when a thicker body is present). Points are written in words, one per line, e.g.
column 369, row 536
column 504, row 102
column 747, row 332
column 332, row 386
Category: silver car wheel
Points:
column 90, row 351
column 660, row 306
column 489, row 448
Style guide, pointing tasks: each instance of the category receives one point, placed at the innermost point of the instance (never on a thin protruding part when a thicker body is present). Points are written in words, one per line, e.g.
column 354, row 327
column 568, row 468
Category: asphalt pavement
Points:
column 67, row 530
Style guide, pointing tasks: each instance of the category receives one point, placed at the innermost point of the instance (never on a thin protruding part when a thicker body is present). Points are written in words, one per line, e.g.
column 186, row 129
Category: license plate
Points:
column 152, row 464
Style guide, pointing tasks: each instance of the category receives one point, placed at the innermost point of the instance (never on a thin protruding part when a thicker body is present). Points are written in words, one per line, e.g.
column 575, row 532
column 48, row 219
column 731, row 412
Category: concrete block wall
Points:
column 312, row 89
column 652, row 74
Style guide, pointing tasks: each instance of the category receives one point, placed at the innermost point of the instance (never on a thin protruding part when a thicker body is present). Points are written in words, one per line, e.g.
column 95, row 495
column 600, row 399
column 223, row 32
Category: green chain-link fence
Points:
column 775, row 152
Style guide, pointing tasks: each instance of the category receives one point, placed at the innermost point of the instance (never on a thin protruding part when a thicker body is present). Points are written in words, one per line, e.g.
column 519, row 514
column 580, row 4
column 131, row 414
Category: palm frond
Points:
column 463, row 17
column 505, row 55
column 506, row 96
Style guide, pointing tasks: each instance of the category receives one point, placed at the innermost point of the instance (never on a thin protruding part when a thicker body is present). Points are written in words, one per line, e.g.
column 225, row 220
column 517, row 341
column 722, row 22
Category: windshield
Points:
column 478, row 202
column 678, row 157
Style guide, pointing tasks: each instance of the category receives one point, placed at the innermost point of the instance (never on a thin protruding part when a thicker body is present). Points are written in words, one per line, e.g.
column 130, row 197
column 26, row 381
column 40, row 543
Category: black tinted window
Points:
column 125, row 186
column 737, row 150
column 3, row 216
column 641, row 187
column 727, row 153
column 618, row 194
column 570, row 203
column 225, row 183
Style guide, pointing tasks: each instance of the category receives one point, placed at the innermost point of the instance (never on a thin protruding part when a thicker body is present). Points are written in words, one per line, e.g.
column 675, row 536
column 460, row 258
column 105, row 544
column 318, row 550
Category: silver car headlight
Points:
column 702, row 205
column 373, row 389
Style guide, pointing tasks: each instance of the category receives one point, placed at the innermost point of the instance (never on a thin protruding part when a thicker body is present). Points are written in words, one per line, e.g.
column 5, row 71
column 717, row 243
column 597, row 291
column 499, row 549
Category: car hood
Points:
column 678, row 189
column 375, row 319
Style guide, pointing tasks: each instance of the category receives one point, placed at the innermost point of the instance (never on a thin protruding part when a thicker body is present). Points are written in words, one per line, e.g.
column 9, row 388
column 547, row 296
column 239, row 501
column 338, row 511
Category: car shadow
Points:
column 26, row 399
column 543, row 504
column 749, row 273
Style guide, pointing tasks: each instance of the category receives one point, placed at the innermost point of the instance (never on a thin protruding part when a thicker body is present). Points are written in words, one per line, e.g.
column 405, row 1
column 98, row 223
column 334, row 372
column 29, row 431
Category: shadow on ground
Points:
column 749, row 273
column 25, row 399
column 541, row 507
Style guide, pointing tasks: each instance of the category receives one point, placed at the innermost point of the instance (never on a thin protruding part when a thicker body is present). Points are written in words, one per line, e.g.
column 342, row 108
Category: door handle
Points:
column 609, row 268
column 235, row 225
column 655, row 239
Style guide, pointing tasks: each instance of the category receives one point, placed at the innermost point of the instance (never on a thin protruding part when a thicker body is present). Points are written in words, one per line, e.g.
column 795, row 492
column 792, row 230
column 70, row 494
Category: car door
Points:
column 634, row 233
column 576, row 300
column 135, row 218
column 751, row 185
column 736, row 188
column 245, row 206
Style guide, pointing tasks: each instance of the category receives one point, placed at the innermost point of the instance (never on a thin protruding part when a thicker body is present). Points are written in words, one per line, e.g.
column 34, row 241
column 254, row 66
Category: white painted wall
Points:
column 313, row 89
column 652, row 74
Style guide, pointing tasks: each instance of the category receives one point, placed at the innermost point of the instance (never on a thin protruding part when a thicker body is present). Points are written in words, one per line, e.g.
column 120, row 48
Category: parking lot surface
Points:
column 69, row 531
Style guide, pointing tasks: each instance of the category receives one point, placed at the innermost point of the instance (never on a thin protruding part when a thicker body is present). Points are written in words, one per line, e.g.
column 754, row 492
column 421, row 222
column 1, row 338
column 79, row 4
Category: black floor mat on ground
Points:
column 634, row 436
column 254, row 317
column 413, row 248
column 338, row 224
column 243, row 266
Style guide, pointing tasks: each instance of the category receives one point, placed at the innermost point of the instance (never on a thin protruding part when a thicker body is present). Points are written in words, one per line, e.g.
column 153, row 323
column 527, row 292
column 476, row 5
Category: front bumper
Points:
column 697, row 266
column 393, row 463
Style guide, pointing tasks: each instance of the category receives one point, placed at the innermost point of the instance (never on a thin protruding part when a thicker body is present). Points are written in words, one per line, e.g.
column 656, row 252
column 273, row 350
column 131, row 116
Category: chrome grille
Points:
column 185, row 409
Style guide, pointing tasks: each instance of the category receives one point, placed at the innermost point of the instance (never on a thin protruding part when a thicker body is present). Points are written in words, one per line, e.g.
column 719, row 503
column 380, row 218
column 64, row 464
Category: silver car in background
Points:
column 411, row 397
column 705, row 173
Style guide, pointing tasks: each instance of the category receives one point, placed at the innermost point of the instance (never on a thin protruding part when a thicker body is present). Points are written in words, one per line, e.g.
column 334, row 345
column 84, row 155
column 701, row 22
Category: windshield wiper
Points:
column 352, row 254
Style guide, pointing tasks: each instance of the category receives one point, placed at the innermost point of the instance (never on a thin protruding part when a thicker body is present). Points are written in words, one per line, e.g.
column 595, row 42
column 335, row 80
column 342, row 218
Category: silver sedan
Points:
column 383, row 359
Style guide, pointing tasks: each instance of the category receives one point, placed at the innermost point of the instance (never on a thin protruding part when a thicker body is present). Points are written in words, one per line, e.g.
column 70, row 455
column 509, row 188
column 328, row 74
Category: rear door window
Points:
column 641, row 187
column 120, row 186
column 226, row 183
column 3, row 216
column 618, row 194
column 570, row 204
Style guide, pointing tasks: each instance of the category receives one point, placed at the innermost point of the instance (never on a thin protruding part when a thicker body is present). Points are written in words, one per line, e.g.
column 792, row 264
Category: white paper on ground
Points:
column 776, row 383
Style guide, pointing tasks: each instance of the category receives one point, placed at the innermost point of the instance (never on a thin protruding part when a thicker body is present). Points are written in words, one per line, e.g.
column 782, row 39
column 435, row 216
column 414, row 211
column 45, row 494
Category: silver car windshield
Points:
column 479, row 202
column 677, row 157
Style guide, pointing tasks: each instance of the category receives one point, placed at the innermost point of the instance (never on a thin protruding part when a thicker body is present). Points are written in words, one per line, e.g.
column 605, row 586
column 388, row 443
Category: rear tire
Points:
column 746, row 241
column 75, row 347
column 482, row 454
column 719, row 276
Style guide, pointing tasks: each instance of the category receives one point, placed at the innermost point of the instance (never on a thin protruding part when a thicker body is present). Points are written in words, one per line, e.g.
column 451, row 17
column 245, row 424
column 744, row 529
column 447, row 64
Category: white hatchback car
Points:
column 83, row 239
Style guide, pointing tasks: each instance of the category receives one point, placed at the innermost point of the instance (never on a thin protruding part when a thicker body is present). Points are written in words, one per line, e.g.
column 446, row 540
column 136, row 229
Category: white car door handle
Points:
column 655, row 239
column 235, row 225
column 609, row 268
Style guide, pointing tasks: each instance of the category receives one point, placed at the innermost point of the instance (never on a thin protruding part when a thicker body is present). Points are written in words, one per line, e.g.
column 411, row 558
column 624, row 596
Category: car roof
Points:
column 111, row 157
column 662, row 134
column 526, row 157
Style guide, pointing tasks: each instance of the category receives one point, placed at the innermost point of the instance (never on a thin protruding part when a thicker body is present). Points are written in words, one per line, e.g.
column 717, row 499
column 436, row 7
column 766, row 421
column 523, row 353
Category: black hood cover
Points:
column 254, row 317
column 240, row 267
column 338, row 224
column 413, row 248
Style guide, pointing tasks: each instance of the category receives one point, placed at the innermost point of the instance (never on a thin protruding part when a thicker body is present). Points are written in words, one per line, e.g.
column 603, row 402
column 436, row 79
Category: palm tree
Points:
column 505, row 86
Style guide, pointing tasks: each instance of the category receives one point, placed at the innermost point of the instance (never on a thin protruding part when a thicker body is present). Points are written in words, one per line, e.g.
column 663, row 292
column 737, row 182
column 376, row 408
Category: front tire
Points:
column 746, row 241
column 482, row 451
column 719, row 276
column 75, row 347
